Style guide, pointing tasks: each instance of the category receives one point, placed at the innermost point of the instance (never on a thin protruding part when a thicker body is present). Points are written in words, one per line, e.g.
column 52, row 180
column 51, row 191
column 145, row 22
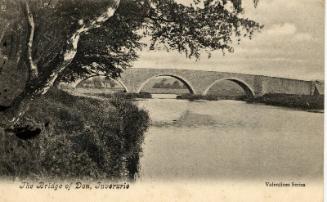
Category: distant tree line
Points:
column 98, row 82
column 175, row 85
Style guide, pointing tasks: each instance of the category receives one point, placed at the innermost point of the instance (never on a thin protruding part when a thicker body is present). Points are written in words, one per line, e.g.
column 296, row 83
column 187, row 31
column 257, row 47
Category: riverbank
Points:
column 79, row 138
column 304, row 102
column 210, row 97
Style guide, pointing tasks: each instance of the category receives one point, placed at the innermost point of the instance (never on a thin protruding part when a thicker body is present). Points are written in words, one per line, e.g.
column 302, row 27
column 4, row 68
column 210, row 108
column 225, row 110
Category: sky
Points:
column 291, row 44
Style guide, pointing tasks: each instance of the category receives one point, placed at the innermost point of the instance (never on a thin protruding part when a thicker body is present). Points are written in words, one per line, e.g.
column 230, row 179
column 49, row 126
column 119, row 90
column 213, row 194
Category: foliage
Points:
column 189, row 29
column 81, row 138
column 98, row 82
column 174, row 85
column 210, row 25
column 306, row 102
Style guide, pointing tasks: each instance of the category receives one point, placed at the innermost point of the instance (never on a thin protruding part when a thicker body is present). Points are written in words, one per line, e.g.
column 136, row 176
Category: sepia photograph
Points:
column 162, row 100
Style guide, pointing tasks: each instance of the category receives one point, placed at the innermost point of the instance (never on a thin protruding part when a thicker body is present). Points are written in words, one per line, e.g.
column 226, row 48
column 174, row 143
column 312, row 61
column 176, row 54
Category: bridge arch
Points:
column 93, row 76
column 180, row 78
column 246, row 87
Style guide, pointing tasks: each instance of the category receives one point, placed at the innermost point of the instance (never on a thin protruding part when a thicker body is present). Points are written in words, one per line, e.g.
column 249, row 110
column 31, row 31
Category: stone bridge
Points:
column 199, row 82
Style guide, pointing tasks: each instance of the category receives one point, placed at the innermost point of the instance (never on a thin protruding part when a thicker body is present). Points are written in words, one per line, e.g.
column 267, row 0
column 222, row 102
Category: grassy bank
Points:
column 306, row 102
column 210, row 97
column 81, row 138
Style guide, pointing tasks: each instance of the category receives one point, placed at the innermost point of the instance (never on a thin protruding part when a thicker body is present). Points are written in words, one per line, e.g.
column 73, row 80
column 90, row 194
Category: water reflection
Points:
column 230, row 140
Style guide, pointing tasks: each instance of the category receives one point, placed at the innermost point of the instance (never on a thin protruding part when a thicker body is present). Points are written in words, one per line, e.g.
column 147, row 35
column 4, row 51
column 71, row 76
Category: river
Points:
column 230, row 140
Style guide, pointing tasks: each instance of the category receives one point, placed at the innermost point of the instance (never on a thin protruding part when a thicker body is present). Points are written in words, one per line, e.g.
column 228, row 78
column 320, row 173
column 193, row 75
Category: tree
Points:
column 176, row 85
column 98, row 82
column 47, row 41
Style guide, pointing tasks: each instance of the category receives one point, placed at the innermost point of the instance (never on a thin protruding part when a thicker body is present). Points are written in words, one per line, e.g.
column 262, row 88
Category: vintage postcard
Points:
column 162, row 100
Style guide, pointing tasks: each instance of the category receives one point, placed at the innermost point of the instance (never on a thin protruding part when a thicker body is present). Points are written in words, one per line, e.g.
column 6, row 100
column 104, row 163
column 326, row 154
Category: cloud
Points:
column 290, row 45
column 285, row 29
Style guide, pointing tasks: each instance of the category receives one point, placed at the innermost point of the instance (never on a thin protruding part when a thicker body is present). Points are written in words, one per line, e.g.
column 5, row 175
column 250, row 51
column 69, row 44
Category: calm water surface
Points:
column 230, row 140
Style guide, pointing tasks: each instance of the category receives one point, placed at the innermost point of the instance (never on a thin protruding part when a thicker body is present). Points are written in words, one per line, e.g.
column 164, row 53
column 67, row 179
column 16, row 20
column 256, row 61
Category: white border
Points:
column 325, row 126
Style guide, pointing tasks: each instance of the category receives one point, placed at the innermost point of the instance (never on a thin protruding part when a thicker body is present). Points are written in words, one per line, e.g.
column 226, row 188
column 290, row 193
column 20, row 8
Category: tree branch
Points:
column 34, row 72
column 4, row 31
column 72, row 44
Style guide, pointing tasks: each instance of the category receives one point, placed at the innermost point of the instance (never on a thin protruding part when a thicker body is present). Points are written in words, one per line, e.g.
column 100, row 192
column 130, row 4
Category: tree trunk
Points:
column 39, row 84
